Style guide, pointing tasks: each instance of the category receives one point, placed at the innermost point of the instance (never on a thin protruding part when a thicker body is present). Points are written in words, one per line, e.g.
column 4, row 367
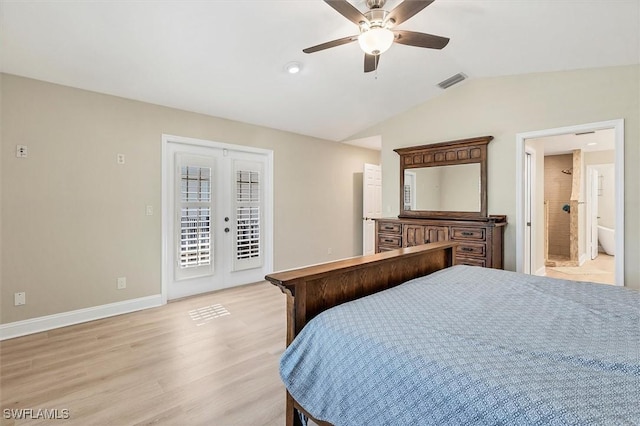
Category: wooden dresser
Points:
column 480, row 241
column 443, row 197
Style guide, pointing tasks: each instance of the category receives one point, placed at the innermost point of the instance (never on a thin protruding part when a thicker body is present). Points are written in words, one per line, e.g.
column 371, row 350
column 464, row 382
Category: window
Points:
column 194, row 210
column 248, row 207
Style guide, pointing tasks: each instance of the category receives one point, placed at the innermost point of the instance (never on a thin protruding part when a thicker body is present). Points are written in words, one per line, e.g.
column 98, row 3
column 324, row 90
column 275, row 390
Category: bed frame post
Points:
column 314, row 289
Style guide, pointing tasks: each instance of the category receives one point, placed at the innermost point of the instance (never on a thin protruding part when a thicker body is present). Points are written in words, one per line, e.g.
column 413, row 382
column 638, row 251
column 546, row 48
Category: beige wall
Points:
column 73, row 220
column 505, row 106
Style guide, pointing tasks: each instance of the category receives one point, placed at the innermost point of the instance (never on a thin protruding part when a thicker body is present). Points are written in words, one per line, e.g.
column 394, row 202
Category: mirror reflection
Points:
column 443, row 188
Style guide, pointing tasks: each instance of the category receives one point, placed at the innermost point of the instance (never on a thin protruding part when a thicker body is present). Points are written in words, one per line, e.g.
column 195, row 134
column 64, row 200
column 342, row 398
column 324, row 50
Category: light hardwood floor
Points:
column 158, row 366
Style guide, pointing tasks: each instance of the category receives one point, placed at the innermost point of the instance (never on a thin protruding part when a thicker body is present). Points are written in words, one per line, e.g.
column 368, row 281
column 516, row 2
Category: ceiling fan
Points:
column 376, row 29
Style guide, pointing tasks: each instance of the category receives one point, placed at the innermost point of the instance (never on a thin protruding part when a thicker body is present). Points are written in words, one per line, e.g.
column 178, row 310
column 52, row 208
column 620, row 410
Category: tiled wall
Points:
column 557, row 191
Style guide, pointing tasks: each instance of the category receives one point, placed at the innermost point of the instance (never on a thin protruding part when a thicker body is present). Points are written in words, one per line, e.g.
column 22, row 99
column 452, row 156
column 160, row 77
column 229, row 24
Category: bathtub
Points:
column 607, row 240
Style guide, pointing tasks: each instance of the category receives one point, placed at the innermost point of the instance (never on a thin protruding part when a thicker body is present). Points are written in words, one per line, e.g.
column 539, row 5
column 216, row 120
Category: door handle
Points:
column 226, row 229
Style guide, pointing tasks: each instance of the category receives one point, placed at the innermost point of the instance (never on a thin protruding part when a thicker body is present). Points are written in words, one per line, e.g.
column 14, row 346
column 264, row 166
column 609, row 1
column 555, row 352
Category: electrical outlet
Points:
column 149, row 210
column 20, row 299
column 122, row 283
column 120, row 158
column 329, row 250
column 21, row 151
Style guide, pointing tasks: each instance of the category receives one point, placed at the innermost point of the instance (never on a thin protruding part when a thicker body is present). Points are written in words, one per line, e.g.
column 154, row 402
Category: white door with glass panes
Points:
column 219, row 199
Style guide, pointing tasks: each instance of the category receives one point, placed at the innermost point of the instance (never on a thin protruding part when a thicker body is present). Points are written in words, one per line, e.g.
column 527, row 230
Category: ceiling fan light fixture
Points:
column 376, row 40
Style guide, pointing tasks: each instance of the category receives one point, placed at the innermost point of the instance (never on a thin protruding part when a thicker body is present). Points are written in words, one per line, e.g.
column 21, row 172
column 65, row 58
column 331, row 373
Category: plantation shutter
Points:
column 248, row 206
column 407, row 197
column 194, row 202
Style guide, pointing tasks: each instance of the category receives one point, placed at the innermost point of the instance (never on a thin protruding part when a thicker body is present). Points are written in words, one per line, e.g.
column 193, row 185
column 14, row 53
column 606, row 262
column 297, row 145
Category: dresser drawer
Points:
column 471, row 249
column 471, row 261
column 390, row 241
column 389, row 228
column 458, row 233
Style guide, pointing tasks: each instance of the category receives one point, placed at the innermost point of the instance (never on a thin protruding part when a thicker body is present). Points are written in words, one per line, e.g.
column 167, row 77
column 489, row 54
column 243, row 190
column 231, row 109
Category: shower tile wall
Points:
column 557, row 191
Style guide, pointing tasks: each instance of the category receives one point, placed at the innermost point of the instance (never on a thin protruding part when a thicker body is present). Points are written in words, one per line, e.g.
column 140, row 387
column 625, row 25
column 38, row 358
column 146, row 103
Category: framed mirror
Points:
column 447, row 179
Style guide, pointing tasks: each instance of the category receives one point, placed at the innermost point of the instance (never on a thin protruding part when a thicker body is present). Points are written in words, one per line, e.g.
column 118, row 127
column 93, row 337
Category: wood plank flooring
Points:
column 178, row 364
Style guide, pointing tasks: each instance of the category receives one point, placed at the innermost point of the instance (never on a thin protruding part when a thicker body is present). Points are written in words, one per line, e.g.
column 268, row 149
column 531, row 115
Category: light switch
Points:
column 149, row 210
column 120, row 158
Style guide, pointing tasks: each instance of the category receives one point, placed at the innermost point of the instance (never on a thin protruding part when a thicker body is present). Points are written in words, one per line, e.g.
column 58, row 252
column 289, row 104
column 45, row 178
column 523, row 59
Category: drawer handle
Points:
column 389, row 228
column 466, row 249
column 467, row 234
column 388, row 241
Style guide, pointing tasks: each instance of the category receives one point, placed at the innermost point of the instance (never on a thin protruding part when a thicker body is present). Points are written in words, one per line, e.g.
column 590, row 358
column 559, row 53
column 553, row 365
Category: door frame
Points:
column 529, row 243
column 618, row 127
column 167, row 212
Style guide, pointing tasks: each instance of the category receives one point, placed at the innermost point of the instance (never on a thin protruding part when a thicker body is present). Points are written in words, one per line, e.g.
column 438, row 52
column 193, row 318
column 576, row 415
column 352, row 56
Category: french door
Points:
column 218, row 216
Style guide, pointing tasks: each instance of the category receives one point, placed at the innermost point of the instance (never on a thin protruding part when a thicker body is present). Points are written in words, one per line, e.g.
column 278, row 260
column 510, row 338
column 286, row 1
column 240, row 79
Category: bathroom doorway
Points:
column 572, row 203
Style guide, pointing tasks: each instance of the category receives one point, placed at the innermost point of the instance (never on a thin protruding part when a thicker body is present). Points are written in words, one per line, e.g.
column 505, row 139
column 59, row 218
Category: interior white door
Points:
column 528, row 183
column 217, row 236
column 593, row 212
column 371, row 205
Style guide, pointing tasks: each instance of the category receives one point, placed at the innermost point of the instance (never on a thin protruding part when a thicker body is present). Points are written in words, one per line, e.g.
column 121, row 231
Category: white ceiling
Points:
column 227, row 58
column 599, row 140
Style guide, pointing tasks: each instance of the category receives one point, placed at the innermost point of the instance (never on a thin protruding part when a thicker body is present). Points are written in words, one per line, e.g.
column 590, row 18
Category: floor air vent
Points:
column 452, row 80
column 205, row 314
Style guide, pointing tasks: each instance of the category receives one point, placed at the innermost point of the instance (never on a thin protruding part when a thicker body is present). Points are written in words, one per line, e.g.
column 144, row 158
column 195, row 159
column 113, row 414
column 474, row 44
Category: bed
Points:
column 455, row 344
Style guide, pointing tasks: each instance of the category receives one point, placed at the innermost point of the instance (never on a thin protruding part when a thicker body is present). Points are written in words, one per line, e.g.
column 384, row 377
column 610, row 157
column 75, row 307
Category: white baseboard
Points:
column 49, row 322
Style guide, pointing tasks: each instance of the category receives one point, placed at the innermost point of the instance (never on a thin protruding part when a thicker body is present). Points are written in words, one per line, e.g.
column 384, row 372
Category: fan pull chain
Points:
column 376, row 70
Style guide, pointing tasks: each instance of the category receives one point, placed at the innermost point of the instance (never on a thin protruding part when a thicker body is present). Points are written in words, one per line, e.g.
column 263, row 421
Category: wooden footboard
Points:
column 314, row 289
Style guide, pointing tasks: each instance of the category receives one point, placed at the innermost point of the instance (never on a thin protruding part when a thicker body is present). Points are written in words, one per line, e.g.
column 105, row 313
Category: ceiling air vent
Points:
column 452, row 80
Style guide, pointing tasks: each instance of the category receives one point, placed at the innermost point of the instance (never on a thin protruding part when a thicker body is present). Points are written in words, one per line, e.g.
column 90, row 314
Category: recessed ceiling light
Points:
column 592, row 143
column 293, row 67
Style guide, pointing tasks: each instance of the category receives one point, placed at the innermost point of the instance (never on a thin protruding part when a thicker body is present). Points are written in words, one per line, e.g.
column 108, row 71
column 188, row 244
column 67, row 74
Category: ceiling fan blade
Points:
column 407, row 9
column 329, row 44
column 345, row 9
column 371, row 62
column 411, row 38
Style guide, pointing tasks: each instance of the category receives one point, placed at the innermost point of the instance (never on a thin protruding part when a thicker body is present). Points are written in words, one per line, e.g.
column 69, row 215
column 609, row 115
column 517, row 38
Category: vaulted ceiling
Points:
column 227, row 58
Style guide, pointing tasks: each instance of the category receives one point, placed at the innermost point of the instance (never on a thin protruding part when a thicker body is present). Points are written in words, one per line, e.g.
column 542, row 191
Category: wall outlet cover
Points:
column 122, row 283
column 20, row 298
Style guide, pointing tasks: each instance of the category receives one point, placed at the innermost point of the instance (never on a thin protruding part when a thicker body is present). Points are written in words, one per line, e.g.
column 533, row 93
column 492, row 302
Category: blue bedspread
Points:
column 470, row 345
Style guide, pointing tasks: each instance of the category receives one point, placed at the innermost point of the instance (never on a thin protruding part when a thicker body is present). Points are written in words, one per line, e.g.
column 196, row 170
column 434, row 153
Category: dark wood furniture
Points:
column 314, row 289
column 439, row 155
column 480, row 241
column 480, row 237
